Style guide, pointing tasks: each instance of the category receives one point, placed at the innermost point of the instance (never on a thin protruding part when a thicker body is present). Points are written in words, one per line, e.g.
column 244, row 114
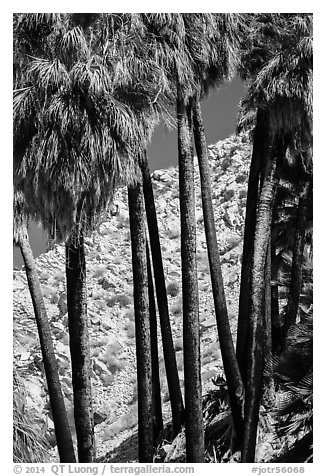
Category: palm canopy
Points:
column 278, row 66
column 74, row 141
column 196, row 50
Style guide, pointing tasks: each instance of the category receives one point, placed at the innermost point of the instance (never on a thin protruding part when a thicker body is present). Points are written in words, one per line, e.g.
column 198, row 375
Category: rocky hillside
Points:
column 110, row 301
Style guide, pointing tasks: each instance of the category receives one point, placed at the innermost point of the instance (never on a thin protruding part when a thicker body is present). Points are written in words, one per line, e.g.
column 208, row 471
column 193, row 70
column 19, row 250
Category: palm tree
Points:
column 142, row 321
column 168, row 36
column 255, row 340
column 187, row 65
column 297, row 259
column 69, row 167
column 161, row 296
column 230, row 364
column 191, row 338
column 259, row 146
column 215, row 64
column 157, row 404
column 79, row 345
column 142, row 84
column 60, row 419
column 288, row 104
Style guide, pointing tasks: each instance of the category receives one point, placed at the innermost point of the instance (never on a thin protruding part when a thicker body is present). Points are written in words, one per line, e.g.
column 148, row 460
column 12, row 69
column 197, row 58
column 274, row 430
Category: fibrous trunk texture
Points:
column 297, row 263
column 191, row 336
column 248, row 239
column 79, row 346
column 231, row 368
column 157, row 404
column 255, row 331
column 60, row 419
column 142, row 324
column 162, row 303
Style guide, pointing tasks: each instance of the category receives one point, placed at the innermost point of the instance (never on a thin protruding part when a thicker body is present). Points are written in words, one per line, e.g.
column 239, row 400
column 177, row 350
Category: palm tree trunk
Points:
column 162, row 302
column 297, row 262
column 157, row 404
column 248, row 239
column 79, row 346
column 268, row 307
column 230, row 364
column 275, row 310
column 60, row 419
column 191, row 337
column 142, row 323
column 255, row 332
column 268, row 390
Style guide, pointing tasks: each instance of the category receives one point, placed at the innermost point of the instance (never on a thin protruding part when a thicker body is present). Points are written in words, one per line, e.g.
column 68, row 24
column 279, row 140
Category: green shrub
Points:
column 130, row 329
column 54, row 298
column 228, row 194
column 241, row 178
column 242, row 194
column 225, row 163
column 173, row 288
column 104, row 282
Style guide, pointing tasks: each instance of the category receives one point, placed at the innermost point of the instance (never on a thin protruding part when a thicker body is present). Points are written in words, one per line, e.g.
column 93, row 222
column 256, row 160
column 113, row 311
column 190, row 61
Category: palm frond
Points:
column 48, row 74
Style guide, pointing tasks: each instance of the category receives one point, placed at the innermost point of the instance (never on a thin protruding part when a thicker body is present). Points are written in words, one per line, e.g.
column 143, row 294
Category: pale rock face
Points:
column 109, row 275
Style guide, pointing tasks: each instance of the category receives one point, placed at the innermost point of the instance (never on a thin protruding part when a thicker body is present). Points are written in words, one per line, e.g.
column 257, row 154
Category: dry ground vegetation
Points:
column 111, row 317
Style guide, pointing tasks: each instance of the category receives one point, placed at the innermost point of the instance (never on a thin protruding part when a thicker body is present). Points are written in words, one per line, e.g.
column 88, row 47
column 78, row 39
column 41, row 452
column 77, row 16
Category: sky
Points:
column 219, row 112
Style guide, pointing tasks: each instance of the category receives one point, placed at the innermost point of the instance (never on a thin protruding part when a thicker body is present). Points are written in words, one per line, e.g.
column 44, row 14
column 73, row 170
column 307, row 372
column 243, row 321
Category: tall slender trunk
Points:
column 268, row 390
column 191, row 337
column 255, row 333
column 60, row 419
column 268, row 306
column 162, row 302
column 79, row 346
column 230, row 364
column 259, row 144
column 142, row 323
column 157, row 404
column 297, row 262
column 275, row 310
